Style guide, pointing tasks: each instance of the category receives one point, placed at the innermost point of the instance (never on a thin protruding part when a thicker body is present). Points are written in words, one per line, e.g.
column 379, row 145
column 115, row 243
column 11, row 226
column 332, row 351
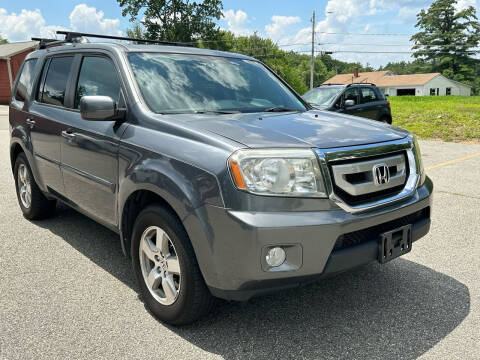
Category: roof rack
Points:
column 43, row 43
column 328, row 84
column 71, row 36
column 361, row 83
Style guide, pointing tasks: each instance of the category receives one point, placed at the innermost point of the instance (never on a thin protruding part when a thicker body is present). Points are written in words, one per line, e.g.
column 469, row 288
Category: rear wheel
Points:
column 33, row 203
column 386, row 120
column 166, row 269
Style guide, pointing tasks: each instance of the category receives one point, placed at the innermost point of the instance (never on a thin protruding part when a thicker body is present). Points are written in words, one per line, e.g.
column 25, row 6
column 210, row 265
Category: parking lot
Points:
column 67, row 291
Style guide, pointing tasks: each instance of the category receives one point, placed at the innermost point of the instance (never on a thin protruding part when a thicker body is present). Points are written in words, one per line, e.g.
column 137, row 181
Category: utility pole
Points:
column 313, row 50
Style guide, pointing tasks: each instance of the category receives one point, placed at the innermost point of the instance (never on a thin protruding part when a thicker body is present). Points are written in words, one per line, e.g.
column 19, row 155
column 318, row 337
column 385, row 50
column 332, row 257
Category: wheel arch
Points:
column 136, row 201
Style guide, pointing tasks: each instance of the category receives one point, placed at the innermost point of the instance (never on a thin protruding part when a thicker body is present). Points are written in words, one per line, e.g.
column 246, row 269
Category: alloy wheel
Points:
column 159, row 265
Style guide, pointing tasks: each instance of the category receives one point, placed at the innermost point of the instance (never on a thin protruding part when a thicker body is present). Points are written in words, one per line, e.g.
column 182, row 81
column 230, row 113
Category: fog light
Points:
column 275, row 256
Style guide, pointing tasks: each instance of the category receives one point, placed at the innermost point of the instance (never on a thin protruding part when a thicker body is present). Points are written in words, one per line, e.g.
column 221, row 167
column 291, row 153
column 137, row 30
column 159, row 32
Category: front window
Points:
column 322, row 95
column 184, row 83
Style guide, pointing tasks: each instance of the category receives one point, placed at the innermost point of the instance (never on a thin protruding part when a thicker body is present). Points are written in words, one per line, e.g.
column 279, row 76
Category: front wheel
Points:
column 166, row 269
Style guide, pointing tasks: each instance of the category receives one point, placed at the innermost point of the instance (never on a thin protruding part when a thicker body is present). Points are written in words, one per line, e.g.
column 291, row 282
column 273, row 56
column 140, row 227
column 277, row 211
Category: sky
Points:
column 342, row 26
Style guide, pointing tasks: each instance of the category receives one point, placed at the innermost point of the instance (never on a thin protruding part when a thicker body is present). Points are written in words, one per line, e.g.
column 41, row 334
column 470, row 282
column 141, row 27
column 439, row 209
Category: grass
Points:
column 449, row 118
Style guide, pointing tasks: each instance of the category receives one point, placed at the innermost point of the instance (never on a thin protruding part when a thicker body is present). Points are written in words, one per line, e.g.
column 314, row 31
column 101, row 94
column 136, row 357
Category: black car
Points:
column 364, row 100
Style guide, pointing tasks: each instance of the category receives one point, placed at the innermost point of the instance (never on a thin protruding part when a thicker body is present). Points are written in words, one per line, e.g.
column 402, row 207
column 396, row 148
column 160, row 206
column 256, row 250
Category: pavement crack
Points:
column 458, row 194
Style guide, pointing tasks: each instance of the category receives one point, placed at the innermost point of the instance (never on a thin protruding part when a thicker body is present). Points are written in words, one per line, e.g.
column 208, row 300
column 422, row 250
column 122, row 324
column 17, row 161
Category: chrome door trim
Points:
column 357, row 152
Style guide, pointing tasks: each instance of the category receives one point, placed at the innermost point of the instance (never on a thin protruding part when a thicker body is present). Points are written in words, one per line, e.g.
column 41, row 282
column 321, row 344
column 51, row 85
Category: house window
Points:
column 438, row 91
column 448, row 91
column 432, row 92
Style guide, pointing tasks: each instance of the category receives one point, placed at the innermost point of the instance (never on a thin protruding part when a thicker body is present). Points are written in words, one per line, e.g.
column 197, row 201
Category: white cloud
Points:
column 236, row 22
column 88, row 19
column 279, row 26
column 31, row 23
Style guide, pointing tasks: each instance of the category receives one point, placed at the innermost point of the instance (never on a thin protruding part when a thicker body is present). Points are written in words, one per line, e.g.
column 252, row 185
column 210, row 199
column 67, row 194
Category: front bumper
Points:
column 230, row 245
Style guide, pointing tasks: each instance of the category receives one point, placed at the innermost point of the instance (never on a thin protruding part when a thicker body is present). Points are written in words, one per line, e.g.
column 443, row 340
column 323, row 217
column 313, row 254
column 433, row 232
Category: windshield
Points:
column 183, row 83
column 322, row 95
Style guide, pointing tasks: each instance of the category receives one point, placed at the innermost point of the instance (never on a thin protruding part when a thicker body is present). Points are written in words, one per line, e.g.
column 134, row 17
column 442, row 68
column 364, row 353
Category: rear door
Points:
column 90, row 148
column 46, row 116
column 372, row 105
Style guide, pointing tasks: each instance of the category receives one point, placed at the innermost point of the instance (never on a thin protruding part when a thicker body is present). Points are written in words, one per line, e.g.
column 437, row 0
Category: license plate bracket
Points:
column 395, row 243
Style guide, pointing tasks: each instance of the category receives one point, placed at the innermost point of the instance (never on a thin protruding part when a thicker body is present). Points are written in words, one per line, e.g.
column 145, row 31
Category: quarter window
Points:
column 53, row 92
column 24, row 85
column 97, row 77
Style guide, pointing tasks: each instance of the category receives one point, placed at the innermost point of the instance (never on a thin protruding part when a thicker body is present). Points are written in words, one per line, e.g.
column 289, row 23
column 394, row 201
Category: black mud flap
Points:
column 395, row 243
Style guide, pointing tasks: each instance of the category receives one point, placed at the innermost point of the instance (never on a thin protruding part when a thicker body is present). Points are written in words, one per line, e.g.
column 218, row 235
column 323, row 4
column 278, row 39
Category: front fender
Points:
column 183, row 186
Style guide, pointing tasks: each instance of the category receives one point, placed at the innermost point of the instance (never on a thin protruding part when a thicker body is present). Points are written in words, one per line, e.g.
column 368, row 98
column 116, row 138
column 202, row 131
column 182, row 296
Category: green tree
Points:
column 447, row 39
column 136, row 31
column 175, row 20
column 3, row 41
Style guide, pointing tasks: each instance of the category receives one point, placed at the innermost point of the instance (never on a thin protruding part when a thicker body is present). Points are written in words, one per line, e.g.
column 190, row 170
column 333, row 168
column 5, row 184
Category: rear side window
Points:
column 368, row 95
column 24, row 85
column 97, row 77
column 55, row 85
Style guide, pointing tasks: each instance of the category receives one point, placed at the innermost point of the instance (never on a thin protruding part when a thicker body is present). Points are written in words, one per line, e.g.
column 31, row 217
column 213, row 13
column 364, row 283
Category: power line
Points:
column 362, row 34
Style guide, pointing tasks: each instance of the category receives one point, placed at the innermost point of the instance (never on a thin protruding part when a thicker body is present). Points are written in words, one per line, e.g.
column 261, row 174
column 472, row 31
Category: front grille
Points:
column 353, row 181
column 373, row 233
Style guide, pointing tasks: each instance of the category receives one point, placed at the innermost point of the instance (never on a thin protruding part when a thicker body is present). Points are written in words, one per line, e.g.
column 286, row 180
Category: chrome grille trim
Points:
column 340, row 173
column 326, row 156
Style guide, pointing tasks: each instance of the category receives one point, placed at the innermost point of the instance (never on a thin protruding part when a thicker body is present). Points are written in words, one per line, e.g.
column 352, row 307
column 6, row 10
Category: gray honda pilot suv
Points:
column 219, row 179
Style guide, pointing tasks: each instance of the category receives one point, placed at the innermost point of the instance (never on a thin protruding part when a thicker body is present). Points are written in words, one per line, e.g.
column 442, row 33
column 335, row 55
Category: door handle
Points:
column 67, row 134
column 30, row 122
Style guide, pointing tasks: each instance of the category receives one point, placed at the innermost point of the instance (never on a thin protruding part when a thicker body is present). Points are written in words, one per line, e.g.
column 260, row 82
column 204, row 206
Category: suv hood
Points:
column 312, row 128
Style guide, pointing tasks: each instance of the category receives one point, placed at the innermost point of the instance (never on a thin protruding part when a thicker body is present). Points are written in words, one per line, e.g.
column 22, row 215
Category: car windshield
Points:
column 184, row 83
column 322, row 95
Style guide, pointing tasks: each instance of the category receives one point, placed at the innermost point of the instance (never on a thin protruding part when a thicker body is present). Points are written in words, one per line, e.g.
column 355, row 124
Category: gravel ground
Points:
column 67, row 291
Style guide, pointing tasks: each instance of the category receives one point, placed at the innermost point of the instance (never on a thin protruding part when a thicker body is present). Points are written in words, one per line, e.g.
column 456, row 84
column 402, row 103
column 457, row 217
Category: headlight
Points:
column 418, row 160
column 277, row 172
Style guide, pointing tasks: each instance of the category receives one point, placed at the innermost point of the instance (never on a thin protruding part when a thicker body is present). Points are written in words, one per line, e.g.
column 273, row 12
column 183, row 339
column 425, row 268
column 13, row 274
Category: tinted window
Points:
column 56, row 81
column 97, row 77
column 352, row 94
column 24, row 85
column 193, row 83
column 368, row 95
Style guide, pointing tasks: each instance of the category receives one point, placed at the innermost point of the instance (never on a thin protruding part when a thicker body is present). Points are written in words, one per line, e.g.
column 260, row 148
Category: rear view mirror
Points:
column 349, row 103
column 99, row 108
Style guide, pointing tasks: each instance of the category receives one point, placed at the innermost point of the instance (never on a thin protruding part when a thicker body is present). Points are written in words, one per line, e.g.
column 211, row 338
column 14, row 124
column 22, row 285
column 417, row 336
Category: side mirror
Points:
column 99, row 108
column 349, row 103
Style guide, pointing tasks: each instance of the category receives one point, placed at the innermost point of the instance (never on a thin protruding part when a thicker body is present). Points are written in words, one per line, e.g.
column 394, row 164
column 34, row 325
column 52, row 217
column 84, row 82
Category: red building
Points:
column 11, row 58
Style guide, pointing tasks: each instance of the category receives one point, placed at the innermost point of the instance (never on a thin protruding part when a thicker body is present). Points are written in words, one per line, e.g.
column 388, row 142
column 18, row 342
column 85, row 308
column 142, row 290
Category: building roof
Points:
column 383, row 78
column 11, row 49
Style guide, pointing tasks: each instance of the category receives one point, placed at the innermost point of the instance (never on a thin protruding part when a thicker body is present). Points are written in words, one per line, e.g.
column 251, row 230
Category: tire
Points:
column 34, row 204
column 386, row 120
column 177, row 293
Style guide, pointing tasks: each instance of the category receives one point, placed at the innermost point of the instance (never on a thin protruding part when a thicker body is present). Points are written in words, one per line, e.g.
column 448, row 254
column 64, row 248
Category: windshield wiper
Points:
column 200, row 112
column 215, row 112
column 280, row 109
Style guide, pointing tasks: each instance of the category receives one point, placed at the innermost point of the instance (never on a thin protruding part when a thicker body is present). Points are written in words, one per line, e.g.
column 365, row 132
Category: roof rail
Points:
column 43, row 42
column 328, row 84
column 361, row 83
column 71, row 36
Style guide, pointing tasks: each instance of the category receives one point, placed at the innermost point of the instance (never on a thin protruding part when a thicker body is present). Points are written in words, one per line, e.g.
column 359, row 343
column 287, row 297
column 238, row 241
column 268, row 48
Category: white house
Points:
column 397, row 85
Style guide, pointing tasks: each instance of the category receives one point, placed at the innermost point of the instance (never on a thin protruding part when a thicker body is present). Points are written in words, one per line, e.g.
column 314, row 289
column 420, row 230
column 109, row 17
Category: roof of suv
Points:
column 144, row 48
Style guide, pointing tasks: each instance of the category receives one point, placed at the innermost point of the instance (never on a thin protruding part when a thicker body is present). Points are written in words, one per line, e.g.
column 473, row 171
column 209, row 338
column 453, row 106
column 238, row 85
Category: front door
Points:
column 352, row 93
column 90, row 148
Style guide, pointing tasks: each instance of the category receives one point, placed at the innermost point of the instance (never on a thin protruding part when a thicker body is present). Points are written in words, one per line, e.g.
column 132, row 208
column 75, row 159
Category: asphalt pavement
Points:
column 66, row 291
